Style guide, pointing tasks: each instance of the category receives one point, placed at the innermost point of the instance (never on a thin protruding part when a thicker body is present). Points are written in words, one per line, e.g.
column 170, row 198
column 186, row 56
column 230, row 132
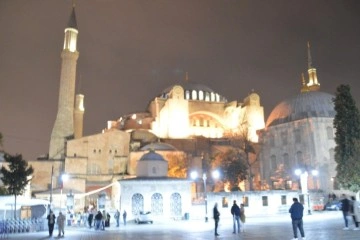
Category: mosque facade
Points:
column 185, row 122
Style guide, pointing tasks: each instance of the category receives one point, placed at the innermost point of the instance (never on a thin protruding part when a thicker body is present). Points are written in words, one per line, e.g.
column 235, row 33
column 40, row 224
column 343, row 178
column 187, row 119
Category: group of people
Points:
column 99, row 219
column 117, row 217
column 238, row 215
column 60, row 220
column 349, row 208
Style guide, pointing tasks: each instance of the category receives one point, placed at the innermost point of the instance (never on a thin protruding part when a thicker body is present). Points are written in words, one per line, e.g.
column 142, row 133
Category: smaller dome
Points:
column 158, row 146
column 301, row 106
column 152, row 156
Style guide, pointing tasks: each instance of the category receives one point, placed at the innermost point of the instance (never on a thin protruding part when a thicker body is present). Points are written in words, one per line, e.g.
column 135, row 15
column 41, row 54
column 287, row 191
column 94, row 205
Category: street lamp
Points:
column 64, row 178
column 304, row 183
column 215, row 175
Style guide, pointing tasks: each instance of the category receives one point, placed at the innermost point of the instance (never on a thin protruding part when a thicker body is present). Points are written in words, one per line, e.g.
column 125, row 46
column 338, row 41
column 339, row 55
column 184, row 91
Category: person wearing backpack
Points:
column 235, row 211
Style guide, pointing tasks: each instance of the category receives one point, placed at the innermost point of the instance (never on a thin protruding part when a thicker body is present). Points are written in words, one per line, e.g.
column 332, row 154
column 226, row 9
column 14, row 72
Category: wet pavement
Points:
column 318, row 226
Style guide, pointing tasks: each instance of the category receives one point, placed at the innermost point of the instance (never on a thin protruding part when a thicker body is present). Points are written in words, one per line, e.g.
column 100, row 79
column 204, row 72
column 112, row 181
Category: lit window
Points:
column 207, row 96
column 187, row 94
column 201, row 95
column 194, row 95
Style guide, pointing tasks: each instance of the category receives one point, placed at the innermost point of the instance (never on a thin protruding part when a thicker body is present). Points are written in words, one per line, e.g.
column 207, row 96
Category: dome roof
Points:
column 190, row 86
column 304, row 105
column 158, row 146
column 152, row 156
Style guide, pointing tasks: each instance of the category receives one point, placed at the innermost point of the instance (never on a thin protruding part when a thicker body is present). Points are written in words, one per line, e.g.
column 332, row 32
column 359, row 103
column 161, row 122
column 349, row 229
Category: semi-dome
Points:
column 158, row 146
column 195, row 91
column 304, row 105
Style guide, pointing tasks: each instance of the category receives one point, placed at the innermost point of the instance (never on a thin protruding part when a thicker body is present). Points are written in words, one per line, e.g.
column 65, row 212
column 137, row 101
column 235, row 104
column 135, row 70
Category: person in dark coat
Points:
column 51, row 222
column 345, row 208
column 90, row 218
column 98, row 219
column 296, row 211
column 235, row 212
column 216, row 216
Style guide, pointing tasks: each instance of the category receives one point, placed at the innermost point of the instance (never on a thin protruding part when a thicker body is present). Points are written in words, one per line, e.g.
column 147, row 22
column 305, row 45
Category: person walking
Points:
column 117, row 217
column 124, row 217
column 242, row 217
column 216, row 216
column 61, row 224
column 355, row 213
column 103, row 220
column 98, row 218
column 296, row 211
column 235, row 211
column 51, row 222
column 345, row 208
column 90, row 218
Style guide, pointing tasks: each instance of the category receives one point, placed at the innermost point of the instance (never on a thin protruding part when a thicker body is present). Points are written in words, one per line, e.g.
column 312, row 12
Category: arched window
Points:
column 201, row 95
column 194, row 95
column 286, row 161
column 137, row 201
column 212, row 97
column 273, row 162
column 299, row 159
column 157, row 204
column 187, row 94
column 297, row 136
column 207, row 96
column 330, row 133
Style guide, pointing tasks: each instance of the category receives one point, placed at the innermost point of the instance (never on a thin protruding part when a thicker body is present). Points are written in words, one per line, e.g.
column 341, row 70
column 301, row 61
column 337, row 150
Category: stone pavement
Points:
column 318, row 226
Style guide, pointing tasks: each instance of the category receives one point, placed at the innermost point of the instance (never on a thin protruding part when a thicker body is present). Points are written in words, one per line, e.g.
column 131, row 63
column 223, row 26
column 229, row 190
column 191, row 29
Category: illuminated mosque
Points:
column 186, row 122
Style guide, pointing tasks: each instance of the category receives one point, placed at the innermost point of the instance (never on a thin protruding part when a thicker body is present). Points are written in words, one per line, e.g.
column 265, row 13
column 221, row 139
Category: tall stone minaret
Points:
column 64, row 123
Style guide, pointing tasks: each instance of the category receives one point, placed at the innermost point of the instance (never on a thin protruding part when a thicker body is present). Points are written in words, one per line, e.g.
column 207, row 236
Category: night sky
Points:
column 130, row 50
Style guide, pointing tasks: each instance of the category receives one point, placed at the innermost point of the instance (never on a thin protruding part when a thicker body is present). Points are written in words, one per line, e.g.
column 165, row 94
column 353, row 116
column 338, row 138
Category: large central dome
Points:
column 304, row 105
column 199, row 89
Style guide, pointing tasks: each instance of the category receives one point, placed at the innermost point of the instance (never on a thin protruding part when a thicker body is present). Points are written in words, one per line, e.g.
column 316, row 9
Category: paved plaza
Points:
column 318, row 226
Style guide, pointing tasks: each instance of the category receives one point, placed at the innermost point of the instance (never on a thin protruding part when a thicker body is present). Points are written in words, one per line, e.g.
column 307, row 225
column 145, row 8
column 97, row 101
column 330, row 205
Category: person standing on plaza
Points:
column 216, row 216
column 355, row 212
column 296, row 212
column 117, row 217
column 345, row 208
column 235, row 211
column 61, row 224
column 242, row 217
column 51, row 222
column 124, row 217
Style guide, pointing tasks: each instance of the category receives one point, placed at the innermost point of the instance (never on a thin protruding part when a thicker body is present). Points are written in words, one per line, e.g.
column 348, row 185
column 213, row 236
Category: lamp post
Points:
column 304, row 183
column 194, row 175
column 64, row 178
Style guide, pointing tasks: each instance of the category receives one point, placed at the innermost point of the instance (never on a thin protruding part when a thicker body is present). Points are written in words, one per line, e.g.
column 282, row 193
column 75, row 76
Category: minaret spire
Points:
column 309, row 56
column 63, row 129
column 313, row 83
